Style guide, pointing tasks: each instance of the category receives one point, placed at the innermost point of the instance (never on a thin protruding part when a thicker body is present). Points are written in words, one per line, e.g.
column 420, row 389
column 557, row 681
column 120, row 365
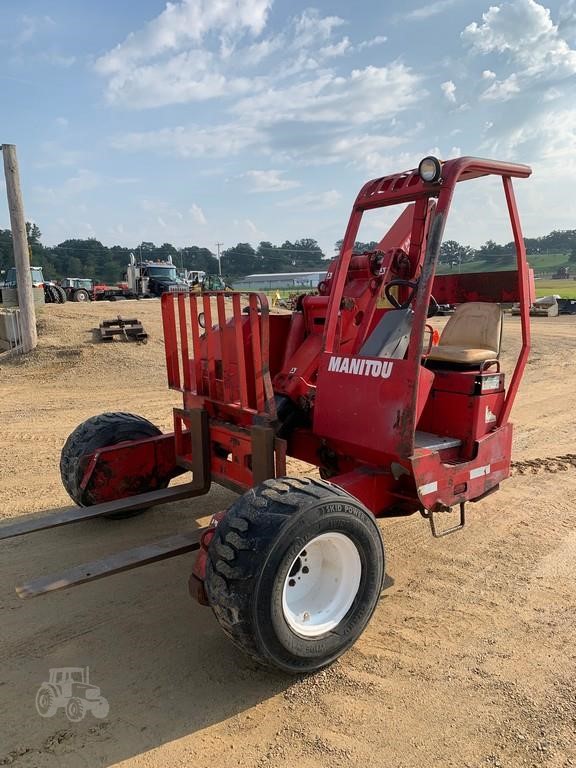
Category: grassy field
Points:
column 542, row 262
column 564, row 288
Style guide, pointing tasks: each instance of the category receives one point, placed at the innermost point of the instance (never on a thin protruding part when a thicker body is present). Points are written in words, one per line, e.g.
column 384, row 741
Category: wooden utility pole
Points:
column 218, row 246
column 20, row 247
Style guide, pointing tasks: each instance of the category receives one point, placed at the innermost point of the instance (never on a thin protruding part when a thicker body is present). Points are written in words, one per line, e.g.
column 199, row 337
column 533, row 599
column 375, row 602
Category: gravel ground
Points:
column 469, row 660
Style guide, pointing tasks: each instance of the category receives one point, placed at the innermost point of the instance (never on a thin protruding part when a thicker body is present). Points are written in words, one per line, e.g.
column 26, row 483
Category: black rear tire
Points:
column 62, row 294
column 52, row 295
column 252, row 558
column 94, row 433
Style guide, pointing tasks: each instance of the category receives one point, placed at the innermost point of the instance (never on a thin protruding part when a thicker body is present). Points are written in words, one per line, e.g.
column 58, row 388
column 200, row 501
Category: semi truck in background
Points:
column 142, row 279
column 146, row 279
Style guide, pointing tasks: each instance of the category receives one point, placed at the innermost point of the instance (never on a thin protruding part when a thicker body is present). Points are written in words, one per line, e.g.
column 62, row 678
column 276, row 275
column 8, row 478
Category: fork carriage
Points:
column 350, row 382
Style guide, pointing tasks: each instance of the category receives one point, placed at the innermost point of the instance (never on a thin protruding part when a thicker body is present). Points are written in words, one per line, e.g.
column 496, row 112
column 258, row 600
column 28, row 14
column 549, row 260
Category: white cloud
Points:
column 552, row 94
column 313, row 202
column 545, row 142
column 56, row 59
column 378, row 40
column 426, row 11
column 151, row 205
column 191, row 141
column 306, row 40
column 83, row 181
column 502, row 90
column 53, row 154
column 367, row 152
column 26, row 57
column 249, row 226
column 335, row 49
column 449, row 90
column 74, row 187
column 140, row 77
column 182, row 23
column 31, row 27
column 197, row 214
column 487, row 74
column 367, row 94
column 269, row 181
column 173, row 60
column 524, row 31
column 168, row 213
column 548, row 137
column 182, row 78
column 310, row 122
column 361, row 144
column 311, row 27
column 86, row 229
column 253, row 54
column 567, row 19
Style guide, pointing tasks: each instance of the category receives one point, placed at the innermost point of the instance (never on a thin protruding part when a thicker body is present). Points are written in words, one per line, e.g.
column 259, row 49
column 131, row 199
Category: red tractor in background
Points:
column 85, row 289
column 396, row 425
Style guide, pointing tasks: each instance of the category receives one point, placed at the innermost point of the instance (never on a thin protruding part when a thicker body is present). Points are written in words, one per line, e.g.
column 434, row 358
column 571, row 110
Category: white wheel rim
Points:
column 321, row 585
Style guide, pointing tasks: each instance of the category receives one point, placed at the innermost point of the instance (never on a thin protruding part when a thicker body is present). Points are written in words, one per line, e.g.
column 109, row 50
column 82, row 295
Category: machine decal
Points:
column 489, row 417
column 360, row 367
column 424, row 490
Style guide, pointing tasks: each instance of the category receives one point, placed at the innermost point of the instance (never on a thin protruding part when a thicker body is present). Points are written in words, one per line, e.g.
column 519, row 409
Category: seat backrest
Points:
column 390, row 336
column 475, row 325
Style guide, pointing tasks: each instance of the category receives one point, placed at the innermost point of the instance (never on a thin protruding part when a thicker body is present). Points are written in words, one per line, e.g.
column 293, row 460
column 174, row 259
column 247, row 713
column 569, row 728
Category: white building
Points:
column 280, row 280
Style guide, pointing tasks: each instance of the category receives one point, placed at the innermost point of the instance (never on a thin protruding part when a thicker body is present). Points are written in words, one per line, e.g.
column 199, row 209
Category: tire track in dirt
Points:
column 424, row 643
column 550, row 464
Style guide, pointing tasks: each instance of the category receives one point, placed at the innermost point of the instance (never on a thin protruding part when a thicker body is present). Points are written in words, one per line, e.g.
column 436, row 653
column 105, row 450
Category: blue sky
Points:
column 243, row 120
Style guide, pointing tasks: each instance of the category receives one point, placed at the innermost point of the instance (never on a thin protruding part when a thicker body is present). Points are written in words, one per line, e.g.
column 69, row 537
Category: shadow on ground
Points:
column 160, row 659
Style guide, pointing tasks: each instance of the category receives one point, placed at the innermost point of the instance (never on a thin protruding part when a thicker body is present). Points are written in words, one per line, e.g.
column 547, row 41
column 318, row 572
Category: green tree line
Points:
column 453, row 252
column 90, row 258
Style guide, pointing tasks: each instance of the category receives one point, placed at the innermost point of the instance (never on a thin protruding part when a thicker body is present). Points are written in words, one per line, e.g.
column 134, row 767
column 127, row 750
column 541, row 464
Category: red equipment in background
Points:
column 396, row 425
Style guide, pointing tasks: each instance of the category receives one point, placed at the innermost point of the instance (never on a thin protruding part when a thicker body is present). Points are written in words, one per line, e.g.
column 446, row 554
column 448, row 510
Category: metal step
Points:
column 435, row 442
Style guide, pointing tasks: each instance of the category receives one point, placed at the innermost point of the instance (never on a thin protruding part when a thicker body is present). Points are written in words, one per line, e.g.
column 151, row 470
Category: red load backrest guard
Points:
column 228, row 362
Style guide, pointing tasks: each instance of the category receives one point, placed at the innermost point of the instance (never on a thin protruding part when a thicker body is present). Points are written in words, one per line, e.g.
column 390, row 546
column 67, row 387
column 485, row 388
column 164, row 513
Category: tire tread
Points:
column 83, row 441
column 232, row 566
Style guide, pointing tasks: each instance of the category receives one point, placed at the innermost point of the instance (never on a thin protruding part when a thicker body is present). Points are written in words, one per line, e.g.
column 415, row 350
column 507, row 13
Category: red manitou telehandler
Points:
column 348, row 382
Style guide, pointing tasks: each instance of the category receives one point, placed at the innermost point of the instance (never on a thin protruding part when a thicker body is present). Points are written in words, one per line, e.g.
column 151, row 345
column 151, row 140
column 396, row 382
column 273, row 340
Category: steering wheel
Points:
column 413, row 285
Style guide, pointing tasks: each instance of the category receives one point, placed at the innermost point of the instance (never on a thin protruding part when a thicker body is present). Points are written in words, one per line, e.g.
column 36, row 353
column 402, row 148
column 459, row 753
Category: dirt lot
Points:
column 470, row 659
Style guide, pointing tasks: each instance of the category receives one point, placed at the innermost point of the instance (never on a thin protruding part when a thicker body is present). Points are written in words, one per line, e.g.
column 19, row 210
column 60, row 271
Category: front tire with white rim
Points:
column 294, row 572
